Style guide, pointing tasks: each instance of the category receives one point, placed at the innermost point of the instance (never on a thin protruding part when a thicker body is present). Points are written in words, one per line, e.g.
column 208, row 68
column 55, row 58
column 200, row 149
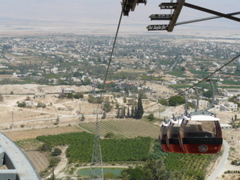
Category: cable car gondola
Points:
column 200, row 134
column 173, row 136
column 163, row 136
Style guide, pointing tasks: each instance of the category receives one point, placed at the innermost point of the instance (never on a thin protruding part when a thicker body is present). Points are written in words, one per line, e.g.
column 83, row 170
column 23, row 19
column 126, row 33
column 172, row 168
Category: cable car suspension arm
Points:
column 212, row 12
column 204, row 19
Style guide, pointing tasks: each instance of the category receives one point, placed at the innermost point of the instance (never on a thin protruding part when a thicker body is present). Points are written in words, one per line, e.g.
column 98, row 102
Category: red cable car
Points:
column 173, row 136
column 200, row 134
column 163, row 135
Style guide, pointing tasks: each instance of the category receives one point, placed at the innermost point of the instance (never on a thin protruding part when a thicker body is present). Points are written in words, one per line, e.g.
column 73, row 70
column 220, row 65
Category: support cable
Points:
column 97, row 152
column 182, row 92
column 236, row 57
column 114, row 43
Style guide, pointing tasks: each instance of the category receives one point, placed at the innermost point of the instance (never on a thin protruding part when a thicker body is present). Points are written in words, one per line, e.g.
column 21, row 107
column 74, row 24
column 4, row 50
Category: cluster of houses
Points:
column 220, row 104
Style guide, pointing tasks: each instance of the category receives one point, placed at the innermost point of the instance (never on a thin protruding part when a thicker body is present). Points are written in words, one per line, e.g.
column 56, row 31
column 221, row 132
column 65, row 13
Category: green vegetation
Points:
column 151, row 117
column 184, row 86
column 235, row 162
column 208, row 93
column 54, row 161
column 151, row 78
column 229, row 87
column 107, row 107
column 56, row 152
column 81, row 144
column 177, row 73
column 230, row 82
column 95, row 100
column 22, row 104
column 32, row 144
column 156, row 164
column 127, row 128
column 78, row 95
column 176, row 100
column 124, row 75
column 163, row 102
column 232, row 172
column 40, row 104
column 136, row 149
column 109, row 135
column 45, row 147
column 200, row 74
column 188, row 166
column 233, row 99
column 139, row 110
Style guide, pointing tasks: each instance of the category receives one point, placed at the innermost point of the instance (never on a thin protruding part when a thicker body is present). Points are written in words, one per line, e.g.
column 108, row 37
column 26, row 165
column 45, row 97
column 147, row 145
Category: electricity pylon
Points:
column 96, row 172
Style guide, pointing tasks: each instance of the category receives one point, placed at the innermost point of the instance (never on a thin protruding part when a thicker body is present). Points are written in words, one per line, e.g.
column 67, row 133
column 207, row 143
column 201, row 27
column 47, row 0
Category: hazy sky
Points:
column 105, row 13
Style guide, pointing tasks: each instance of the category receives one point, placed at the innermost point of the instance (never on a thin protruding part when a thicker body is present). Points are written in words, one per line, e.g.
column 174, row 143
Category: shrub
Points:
column 82, row 118
column 176, row 100
column 109, row 135
column 45, row 147
column 163, row 102
column 40, row 104
column 54, row 161
column 23, row 104
column 1, row 97
column 104, row 115
column 70, row 95
column 56, row 152
column 151, row 117
column 78, row 95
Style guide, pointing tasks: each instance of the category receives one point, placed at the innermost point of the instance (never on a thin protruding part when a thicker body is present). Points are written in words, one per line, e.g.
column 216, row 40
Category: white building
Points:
column 67, row 90
column 222, row 100
column 203, row 104
column 232, row 106
column 238, row 99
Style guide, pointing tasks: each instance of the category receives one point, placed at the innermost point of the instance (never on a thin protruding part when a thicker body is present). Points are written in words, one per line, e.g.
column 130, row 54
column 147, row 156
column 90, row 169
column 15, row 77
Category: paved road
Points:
column 220, row 167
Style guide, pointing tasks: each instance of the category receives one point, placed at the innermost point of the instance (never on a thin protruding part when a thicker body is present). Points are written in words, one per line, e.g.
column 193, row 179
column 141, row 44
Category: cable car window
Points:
column 200, row 129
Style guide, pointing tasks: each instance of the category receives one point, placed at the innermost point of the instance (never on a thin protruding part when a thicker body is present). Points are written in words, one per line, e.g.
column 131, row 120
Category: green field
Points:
column 81, row 145
column 132, row 144
column 131, row 150
column 128, row 128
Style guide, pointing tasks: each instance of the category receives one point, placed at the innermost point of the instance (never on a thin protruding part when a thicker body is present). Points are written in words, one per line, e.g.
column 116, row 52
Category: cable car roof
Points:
column 165, row 123
column 201, row 118
column 176, row 121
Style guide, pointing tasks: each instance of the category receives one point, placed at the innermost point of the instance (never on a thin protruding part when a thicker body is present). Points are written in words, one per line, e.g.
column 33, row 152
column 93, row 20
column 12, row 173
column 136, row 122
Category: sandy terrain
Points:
column 23, row 134
column 39, row 160
column 36, row 88
column 26, row 123
column 160, row 90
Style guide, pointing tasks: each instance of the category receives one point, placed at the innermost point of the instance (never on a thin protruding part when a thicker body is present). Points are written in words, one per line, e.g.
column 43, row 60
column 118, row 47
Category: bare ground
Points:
column 17, row 122
column 23, row 134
